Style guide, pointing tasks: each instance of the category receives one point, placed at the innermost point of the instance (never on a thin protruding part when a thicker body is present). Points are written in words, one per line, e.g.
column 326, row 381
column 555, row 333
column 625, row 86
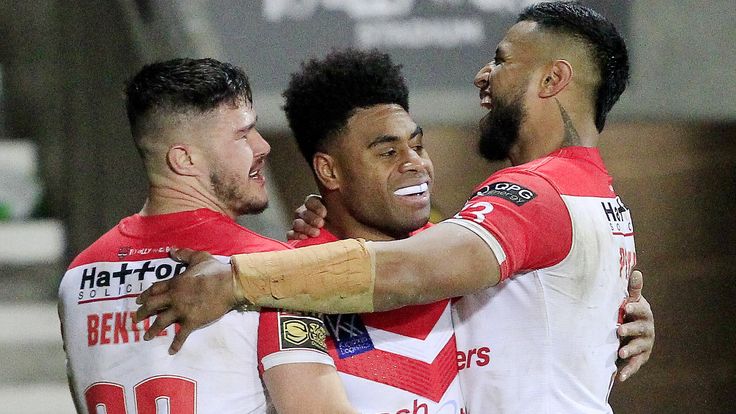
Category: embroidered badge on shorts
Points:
column 350, row 334
column 301, row 331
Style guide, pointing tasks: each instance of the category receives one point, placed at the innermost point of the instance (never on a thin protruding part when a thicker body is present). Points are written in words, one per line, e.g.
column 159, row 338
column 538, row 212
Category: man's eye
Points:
column 418, row 148
column 388, row 153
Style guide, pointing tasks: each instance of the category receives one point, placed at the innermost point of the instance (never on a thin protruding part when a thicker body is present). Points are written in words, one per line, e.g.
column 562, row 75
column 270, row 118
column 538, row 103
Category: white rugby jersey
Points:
column 544, row 339
column 401, row 361
column 112, row 368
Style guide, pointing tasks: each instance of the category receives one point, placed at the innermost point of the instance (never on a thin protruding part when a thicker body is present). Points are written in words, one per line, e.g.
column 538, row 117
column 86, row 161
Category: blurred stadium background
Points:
column 68, row 169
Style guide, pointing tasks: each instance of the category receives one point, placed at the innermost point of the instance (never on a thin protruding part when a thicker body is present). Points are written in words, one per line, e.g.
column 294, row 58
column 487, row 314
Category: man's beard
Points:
column 228, row 190
column 499, row 129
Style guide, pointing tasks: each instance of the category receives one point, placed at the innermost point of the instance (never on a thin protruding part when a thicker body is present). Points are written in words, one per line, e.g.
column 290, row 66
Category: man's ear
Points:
column 327, row 170
column 181, row 161
column 555, row 79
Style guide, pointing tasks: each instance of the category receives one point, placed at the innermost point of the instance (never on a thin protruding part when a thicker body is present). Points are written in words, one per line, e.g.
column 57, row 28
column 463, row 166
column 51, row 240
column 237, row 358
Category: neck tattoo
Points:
column 571, row 134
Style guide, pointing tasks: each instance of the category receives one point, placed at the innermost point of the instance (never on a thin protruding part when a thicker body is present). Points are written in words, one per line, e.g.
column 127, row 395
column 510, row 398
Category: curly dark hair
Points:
column 607, row 45
column 181, row 86
column 326, row 93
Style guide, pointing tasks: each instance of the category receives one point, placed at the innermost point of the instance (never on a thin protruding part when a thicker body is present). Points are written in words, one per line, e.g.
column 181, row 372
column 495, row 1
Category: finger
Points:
column 301, row 226
column 636, row 347
column 188, row 255
column 292, row 235
column 157, row 288
column 162, row 321
column 180, row 255
column 179, row 339
column 299, row 211
column 313, row 203
column 313, row 219
column 636, row 282
column 631, row 367
column 152, row 305
column 635, row 329
column 638, row 311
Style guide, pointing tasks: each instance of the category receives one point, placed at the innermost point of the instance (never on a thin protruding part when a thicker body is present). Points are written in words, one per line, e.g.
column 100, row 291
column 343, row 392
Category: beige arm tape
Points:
column 330, row 278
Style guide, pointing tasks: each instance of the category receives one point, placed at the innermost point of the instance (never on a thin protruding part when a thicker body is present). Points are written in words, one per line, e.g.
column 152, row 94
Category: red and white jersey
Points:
column 544, row 339
column 401, row 361
column 111, row 366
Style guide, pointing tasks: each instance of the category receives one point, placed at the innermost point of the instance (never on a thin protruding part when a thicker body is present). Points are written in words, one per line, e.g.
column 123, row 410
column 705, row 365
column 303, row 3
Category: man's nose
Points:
column 413, row 162
column 259, row 145
column 481, row 78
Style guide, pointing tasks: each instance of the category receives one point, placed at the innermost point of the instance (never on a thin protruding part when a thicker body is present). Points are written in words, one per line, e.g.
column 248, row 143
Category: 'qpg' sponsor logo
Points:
column 514, row 193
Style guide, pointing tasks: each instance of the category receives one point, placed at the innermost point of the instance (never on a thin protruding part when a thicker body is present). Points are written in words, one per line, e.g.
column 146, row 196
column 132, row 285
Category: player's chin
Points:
column 416, row 219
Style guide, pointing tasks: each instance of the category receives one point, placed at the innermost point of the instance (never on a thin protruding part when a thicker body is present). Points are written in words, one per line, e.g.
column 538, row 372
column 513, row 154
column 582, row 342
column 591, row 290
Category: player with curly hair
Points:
column 349, row 114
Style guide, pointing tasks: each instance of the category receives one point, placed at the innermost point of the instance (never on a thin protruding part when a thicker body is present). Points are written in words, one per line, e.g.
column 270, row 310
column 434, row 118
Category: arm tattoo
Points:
column 571, row 134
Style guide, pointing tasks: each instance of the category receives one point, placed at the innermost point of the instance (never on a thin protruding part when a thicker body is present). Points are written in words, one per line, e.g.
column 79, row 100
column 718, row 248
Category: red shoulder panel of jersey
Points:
column 527, row 216
column 149, row 237
column 574, row 171
column 324, row 237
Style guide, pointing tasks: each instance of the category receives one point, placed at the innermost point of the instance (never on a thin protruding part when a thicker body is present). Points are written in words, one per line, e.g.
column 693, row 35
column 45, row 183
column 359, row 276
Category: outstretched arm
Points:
column 352, row 276
column 442, row 262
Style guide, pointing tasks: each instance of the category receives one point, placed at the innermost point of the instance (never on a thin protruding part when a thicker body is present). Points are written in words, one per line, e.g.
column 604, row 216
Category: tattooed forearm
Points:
column 571, row 134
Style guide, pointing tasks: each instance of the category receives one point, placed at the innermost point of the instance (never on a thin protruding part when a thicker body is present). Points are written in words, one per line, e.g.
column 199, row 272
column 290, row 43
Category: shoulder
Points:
column 257, row 242
column 104, row 249
column 324, row 237
column 570, row 171
column 226, row 237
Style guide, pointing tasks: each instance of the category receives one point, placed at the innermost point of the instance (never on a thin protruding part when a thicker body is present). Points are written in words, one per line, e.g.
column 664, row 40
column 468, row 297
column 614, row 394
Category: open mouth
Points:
column 485, row 100
column 256, row 172
column 412, row 190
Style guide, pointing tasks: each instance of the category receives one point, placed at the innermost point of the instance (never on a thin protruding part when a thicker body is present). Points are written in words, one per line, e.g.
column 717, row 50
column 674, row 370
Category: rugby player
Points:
column 194, row 124
column 552, row 221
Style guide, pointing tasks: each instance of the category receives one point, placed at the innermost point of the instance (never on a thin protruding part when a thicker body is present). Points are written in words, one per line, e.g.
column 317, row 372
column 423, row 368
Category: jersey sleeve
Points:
column 522, row 218
column 289, row 338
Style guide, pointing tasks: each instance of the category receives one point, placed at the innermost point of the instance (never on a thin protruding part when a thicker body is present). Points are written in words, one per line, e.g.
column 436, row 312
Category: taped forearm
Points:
column 335, row 277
